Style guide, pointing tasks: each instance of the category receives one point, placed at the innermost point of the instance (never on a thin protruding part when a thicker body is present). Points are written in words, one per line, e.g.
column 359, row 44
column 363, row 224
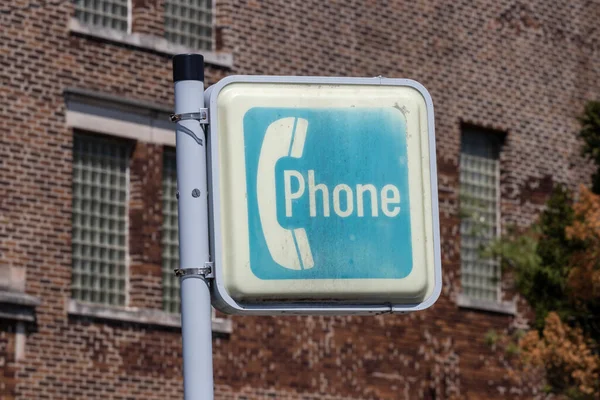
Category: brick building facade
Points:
column 78, row 79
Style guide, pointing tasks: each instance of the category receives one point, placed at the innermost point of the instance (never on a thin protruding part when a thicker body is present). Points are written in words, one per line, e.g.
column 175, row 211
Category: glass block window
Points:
column 99, row 238
column 479, row 199
column 170, row 238
column 189, row 23
column 113, row 14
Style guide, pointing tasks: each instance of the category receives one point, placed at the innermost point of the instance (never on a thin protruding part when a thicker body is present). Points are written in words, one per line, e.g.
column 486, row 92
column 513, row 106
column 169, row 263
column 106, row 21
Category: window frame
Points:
column 213, row 35
column 86, row 108
column 129, row 19
column 127, row 260
column 465, row 300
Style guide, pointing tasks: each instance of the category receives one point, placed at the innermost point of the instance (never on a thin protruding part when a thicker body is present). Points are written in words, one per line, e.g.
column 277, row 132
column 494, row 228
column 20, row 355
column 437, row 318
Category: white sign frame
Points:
column 221, row 298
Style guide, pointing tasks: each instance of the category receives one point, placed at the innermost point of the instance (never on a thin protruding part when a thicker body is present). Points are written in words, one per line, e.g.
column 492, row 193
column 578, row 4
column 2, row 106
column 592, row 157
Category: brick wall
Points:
column 524, row 68
column 8, row 380
column 145, row 214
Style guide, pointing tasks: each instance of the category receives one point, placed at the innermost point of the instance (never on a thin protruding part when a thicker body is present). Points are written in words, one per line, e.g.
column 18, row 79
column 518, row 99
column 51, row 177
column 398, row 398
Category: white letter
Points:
column 349, row 200
column 289, row 196
column 360, row 189
column 386, row 201
column 312, row 189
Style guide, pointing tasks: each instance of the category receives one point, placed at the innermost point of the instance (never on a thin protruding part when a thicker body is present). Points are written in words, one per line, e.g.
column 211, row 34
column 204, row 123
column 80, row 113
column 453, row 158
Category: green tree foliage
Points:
column 556, row 267
column 539, row 258
column 590, row 134
column 549, row 289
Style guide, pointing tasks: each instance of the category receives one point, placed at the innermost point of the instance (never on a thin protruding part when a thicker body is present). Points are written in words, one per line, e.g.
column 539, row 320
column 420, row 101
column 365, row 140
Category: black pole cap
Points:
column 188, row 67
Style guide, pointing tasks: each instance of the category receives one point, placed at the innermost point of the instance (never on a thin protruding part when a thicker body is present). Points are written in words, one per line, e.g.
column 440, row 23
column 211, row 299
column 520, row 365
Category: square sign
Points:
column 323, row 194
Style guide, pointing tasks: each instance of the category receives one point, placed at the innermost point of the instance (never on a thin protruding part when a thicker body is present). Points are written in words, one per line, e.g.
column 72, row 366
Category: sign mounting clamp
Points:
column 206, row 272
column 201, row 116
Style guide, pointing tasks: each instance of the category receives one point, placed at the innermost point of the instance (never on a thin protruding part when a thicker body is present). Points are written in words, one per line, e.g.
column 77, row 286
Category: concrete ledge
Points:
column 504, row 307
column 121, row 117
column 148, row 42
column 19, row 298
column 18, row 306
column 137, row 315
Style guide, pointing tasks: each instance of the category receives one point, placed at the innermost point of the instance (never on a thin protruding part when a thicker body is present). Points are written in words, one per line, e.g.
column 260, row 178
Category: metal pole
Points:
column 188, row 75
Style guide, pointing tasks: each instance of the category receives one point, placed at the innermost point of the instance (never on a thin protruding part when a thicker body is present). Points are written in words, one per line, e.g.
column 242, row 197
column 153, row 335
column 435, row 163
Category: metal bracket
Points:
column 207, row 271
column 201, row 116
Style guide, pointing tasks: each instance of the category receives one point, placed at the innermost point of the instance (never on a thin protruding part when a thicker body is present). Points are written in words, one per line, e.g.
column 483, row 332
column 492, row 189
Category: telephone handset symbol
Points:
column 289, row 248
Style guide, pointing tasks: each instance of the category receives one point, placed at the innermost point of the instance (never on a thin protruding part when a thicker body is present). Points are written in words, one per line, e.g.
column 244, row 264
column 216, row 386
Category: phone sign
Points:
column 323, row 195
column 313, row 212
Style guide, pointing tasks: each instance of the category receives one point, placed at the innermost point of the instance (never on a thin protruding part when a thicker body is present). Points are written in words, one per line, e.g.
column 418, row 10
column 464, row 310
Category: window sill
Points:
column 138, row 315
column 148, row 42
column 18, row 306
column 504, row 307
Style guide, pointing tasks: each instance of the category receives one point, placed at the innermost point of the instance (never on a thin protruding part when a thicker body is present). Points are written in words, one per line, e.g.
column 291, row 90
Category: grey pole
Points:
column 188, row 75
